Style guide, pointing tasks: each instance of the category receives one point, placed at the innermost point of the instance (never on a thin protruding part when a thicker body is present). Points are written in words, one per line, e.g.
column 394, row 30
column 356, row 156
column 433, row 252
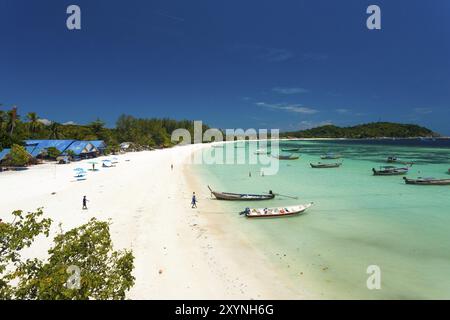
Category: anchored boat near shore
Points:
column 427, row 181
column 241, row 196
column 321, row 165
column 389, row 171
column 276, row 212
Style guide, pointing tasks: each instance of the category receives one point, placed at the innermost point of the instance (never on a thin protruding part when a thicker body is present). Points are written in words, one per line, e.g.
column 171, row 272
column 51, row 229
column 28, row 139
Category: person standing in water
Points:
column 194, row 201
column 85, row 203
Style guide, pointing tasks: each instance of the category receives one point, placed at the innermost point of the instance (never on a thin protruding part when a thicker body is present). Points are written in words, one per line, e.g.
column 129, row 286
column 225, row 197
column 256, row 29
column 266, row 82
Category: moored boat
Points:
column 262, row 151
column 321, row 165
column 287, row 156
column 330, row 156
column 276, row 212
column 241, row 196
column 427, row 181
column 394, row 159
column 389, row 171
column 290, row 149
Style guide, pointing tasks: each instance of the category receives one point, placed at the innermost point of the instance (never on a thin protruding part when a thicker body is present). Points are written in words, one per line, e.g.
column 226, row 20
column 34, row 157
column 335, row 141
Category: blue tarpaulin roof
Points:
column 79, row 147
column 41, row 145
column 4, row 153
column 99, row 144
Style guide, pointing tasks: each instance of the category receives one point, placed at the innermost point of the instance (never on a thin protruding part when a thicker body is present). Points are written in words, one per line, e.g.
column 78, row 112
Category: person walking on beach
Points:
column 171, row 167
column 85, row 203
column 194, row 201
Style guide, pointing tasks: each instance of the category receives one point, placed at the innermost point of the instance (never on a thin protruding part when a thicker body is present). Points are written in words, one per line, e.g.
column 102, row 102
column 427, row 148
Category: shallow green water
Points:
column 358, row 220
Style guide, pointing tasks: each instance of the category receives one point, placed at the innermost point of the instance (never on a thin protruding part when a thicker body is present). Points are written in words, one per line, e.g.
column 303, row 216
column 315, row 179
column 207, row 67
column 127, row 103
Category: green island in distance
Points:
column 372, row 130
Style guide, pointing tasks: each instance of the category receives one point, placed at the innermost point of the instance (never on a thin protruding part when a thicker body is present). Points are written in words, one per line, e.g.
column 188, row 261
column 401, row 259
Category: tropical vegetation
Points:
column 364, row 131
column 81, row 263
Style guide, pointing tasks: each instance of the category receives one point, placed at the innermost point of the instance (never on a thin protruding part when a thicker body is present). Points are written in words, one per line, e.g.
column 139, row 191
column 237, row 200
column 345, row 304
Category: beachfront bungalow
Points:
column 125, row 146
column 100, row 145
column 37, row 148
column 3, row 155
column 81, row 150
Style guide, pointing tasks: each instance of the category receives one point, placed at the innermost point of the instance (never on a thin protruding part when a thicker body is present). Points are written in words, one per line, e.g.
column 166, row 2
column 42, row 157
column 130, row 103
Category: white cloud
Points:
column 423, row 110
column 295, row 108
column 45, row 122
column 290, row 90
column 69, row 123
column 342, row 111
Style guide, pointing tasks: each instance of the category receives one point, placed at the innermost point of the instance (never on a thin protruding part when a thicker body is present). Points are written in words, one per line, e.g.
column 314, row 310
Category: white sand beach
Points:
column 180, row 253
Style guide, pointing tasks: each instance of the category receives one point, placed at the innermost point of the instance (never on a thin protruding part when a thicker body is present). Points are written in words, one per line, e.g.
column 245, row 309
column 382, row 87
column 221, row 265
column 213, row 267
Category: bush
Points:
column 18, row 156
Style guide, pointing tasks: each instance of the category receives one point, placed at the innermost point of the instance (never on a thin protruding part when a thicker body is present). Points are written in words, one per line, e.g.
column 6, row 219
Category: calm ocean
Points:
column 358, row 219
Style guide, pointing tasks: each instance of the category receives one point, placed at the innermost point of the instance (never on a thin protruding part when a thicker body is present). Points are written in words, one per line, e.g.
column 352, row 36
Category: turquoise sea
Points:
column 358, row 219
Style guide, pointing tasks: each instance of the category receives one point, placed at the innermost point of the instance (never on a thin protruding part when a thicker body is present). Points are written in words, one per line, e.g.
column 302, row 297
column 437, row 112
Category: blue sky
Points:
column 286, row 64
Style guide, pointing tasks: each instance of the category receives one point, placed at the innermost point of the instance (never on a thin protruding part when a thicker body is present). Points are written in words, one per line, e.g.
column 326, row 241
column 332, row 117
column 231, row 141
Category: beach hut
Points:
column 3, row 154
column 100, row 145
column 81, row 150
column 37, row 148
column 125, row 146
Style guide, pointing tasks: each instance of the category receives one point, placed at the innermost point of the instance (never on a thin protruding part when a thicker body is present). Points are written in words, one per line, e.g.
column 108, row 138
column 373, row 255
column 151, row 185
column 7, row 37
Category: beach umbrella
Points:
column 78, row 169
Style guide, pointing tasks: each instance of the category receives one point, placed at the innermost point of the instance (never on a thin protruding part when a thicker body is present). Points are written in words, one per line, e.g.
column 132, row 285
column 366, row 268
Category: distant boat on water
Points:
column 427, row 181
column 320, row 165
column 241, row 196
column 289, row 156
column 276, row 212
column 394, row 159
column 389, row 171
column 330, row 156
column 290, row 149
column 262, row 151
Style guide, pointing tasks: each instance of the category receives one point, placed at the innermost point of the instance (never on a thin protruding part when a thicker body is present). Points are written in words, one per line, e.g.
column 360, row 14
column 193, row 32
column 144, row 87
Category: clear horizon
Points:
column 265, row 64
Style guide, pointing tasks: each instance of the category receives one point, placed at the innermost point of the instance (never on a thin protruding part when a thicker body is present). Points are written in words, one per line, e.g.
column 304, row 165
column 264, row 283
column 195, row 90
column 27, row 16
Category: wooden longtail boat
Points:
column 241, row 196
column 394, row 159
column 287, row 156
column 330, row 156
column 389, row 171
column 290, row 149
column 427, row 181
column 276, row 212
column 325, row 165
column 262, row 151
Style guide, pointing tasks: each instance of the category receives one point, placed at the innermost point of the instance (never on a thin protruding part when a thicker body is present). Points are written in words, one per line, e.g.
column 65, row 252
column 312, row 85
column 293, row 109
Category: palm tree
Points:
column 2, row 118
column 54, row 131
column 34, row 123
column 12, row 120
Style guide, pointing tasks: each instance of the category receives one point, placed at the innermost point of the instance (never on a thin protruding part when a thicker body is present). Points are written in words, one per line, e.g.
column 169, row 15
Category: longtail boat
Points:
column 427, row 181
column 276, row 212
column 389, row 171
column 287, row 156
column 241, row 196
column 290, row 149
column 325, row 165
column 393, row 159
column 330, row 156
column 261, row 151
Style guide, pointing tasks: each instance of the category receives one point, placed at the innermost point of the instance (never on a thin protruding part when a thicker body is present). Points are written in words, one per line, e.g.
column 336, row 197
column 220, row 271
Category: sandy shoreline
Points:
column 180, row 253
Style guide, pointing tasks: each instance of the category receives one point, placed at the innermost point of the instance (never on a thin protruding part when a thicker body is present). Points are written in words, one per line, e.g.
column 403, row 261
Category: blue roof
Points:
column 4, row 153
column 99, row 144
column 41, row 145
column 79, row 147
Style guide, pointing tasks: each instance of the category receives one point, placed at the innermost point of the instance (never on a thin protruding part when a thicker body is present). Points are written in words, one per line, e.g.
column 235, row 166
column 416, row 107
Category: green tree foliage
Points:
column 103, row 272
column 52, row 152
column 370, row 130
column 18, row 156
column 14, row 237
